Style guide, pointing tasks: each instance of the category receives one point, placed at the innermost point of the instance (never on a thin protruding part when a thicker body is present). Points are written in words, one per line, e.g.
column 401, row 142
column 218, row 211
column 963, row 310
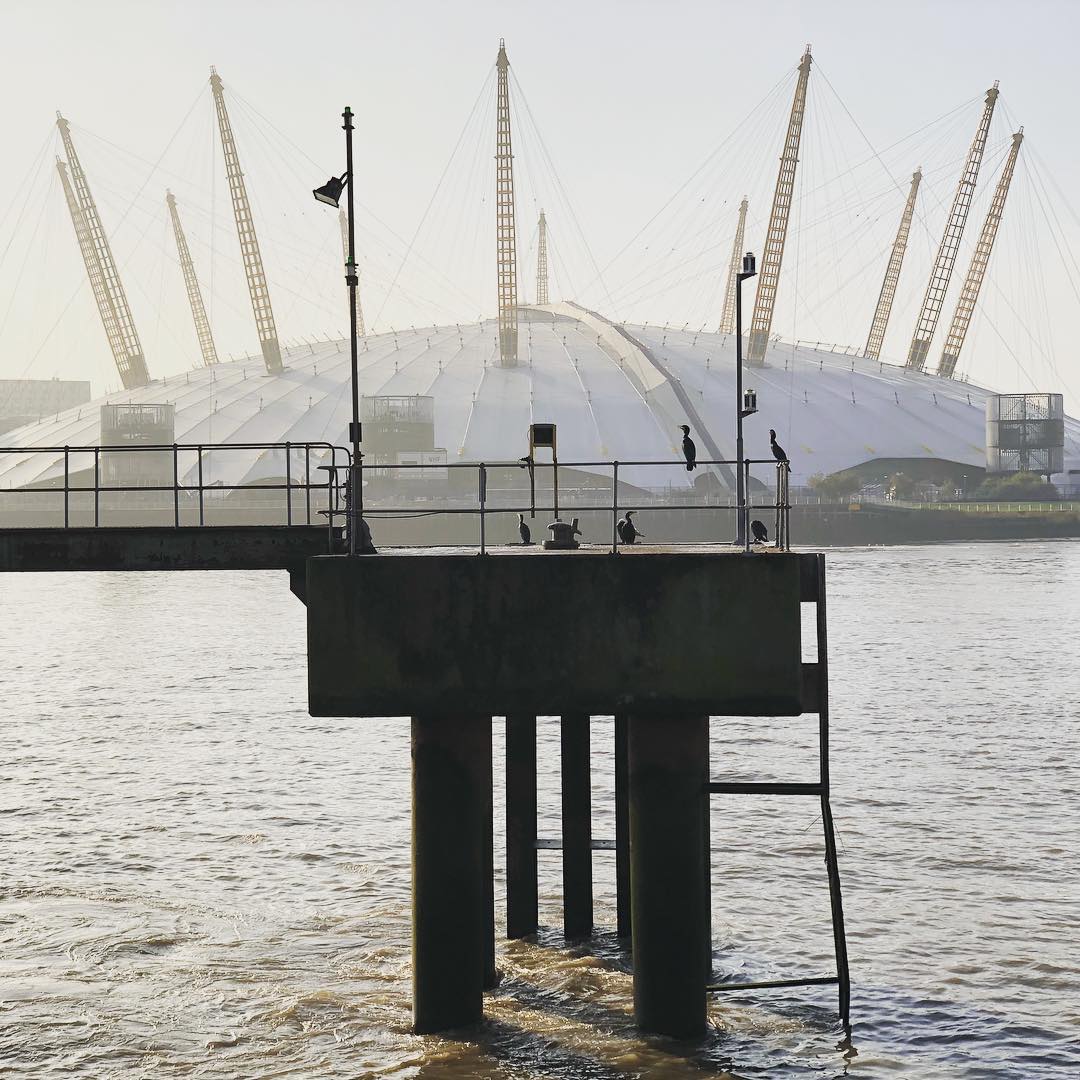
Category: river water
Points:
column 198, row 879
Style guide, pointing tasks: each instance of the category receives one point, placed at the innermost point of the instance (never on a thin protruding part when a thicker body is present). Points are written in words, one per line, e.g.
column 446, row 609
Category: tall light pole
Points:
column 749, row 270
column 330, row 193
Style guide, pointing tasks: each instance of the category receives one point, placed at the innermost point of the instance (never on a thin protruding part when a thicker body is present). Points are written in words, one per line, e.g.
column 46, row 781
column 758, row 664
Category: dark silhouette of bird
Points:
column 689, row 449
column 777, row 449
column 523, row 530
column 761, row 534
column 627, row 530
column 367, row 545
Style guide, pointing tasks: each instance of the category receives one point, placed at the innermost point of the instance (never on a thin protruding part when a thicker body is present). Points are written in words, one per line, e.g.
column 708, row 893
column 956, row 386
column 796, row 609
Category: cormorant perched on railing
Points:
column 523, row 530
column 627, row 530
column 689, row 449
column 761, row 534
column 777, row 449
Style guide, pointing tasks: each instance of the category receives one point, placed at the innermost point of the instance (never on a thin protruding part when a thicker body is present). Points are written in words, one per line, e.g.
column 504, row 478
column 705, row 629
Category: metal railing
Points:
column 487, row 502
column 174, row 483
column 975, row 506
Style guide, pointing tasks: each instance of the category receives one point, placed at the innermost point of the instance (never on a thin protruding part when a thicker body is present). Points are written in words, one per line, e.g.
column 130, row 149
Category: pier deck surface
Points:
column 149, row 547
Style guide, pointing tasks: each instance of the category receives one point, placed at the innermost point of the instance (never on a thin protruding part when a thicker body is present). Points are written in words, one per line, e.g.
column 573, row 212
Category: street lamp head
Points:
column 749, row 263
column 331, row 191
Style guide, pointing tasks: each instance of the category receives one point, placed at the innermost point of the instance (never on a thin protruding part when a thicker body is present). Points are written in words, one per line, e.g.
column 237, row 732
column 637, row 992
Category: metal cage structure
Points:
column 1025, row 433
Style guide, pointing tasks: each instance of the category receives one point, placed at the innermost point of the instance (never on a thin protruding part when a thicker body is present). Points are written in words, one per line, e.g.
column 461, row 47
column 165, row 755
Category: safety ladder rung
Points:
column 556, row 845
column 771, row 984
column 739, row 787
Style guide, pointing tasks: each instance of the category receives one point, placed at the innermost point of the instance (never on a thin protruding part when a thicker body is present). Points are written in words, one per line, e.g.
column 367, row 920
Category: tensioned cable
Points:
column 321, row 168
column 786, row 78
column 485, row 90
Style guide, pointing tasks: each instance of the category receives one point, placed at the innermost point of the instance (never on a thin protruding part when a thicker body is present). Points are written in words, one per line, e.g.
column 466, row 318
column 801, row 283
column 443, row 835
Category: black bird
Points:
column 367, row 546
column 523, row 530
column 761, row 534
column 777, row 449
column 689, row 449
column 627, row 530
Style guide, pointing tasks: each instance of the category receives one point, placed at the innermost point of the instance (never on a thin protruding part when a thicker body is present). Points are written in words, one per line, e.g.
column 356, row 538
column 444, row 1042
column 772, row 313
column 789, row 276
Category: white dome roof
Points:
column 610, row 400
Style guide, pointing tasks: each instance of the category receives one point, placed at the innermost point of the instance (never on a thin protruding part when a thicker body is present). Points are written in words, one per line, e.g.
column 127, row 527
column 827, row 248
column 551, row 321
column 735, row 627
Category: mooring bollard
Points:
column 669, row 771
column 576, row 826
column 451, row 780
column 521, row 870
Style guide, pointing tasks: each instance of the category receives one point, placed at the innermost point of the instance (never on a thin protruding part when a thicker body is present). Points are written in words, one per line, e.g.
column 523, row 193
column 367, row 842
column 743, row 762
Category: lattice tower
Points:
column 505, row 223
column 773, row 256
column 344, row 219
column 191, row 283
column 980, row 259
column 542, row 263
column 941, row 275
column 727, row 320
column 101, row 268
column 245, row 230
column 887, row 295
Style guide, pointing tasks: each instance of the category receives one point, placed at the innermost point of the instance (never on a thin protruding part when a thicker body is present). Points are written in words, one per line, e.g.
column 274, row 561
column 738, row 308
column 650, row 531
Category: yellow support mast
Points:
column 727, row 320
column 245, row 230
column 505, row 221
column 344, row 218
column 941, row 275
column 773, row 255
column 191, row 283
column 892, row 273
column 101, row 268
column 542, row 262
column 980, row 259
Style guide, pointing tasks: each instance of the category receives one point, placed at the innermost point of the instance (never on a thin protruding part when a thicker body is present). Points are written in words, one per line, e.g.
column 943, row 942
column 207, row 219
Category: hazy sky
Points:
column 629, row 99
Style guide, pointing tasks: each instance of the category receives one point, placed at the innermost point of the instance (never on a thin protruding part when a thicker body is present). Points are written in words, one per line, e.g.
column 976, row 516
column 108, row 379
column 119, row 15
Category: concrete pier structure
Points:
column 663, row 638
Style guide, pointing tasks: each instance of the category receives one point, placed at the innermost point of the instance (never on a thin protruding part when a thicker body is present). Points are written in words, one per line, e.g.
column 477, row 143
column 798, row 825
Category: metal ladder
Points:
column 815, row 699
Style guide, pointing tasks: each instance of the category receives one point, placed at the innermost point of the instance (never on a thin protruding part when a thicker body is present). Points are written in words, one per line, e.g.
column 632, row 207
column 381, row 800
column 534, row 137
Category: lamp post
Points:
column 330, row 193
column 749, row 270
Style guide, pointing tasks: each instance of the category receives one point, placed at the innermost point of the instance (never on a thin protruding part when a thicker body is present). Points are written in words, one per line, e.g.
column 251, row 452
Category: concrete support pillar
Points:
column 491, row 974
column 451, row 792
column 669, row 769
column 622, row 830
column 576, row 827
column 521, row 879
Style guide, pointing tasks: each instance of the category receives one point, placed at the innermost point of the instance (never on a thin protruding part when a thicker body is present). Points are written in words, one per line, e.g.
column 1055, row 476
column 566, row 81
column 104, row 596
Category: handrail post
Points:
column 288, row 483
column 176, row 484
column 744, row 510
column 307, row 483
column 614, row 508
column 67, row 487
column 778, row 521
column 202, row 520
column 787, row 506
column 482, row 476
column 97, row 486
